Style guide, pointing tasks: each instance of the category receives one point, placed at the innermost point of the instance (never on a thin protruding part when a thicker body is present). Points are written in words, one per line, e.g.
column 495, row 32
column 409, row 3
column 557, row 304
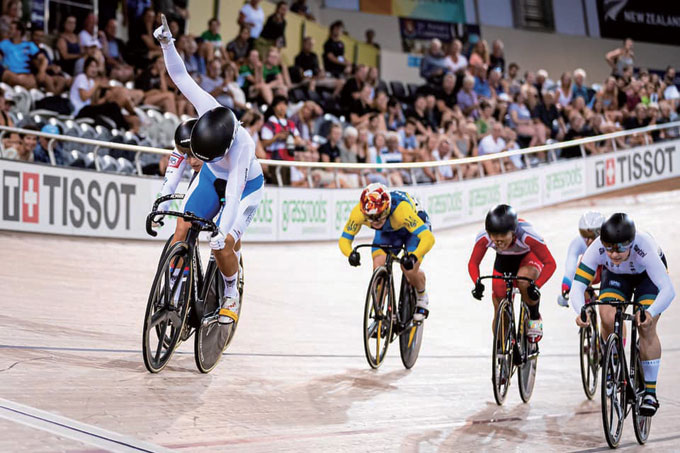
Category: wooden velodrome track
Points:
column 295, row 378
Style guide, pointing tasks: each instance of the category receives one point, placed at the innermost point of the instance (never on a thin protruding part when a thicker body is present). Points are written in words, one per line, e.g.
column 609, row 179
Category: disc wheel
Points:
column 527, row 370
column 589, row 352
column 212, row 338
column 613, row 393
column 378, row 318
column 412, row 338
column 641, row 423
column 167, row 307
column 501, row 366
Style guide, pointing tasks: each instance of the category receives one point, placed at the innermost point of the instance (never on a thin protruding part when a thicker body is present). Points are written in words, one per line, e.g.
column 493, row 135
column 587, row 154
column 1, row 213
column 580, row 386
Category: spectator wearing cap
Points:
column 252, row 15
column 433, row 64
column 334, row 61
column 238, row 48
column 300, row 7
column 497, row 57
column 41, row 152
column 68, row 45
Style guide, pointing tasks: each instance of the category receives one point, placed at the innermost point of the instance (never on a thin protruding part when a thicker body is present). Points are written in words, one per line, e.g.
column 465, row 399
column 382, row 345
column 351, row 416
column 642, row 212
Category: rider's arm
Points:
column 173, row 173
column 200, row 99
column 585, row 273
column 659, row 276
column 576, row 249
column 478, row 252
column 541, row 251
column 238, row 165
column 351, row 229
column 405, row 215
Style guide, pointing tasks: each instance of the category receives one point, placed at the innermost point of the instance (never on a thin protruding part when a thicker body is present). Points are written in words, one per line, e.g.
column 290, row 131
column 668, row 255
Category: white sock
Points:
column 238, row 255
column 651, row 370
column 230, row 285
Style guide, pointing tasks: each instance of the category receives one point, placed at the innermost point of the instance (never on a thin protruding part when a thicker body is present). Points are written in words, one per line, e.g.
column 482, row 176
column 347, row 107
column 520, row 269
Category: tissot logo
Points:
column 641, row 165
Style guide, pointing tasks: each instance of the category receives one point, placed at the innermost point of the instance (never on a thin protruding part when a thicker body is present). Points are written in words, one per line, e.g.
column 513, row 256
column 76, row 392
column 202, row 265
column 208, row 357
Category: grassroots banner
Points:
column 441, row 10
column 631, row 167
column 655, row 21
column 416, row 34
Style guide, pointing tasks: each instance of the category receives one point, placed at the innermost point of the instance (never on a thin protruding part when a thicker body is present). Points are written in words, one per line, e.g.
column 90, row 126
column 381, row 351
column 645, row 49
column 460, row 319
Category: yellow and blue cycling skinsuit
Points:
column 406, row 225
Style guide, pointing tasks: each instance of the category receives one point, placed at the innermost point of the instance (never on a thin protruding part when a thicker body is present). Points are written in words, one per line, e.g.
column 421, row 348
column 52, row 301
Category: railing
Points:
column 335, row 167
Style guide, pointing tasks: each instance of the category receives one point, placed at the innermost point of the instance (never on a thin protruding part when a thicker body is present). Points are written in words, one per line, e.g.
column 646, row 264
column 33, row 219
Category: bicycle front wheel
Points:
column 501, row 370
column 641, row 423
column 527, row 370
column 166, row 310
column 613, row 392
column 412, row 338
column 589, row 352
column 378, row 317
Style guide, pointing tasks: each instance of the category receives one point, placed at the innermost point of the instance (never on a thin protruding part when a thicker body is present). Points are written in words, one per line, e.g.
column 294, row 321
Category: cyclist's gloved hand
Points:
column 409, row 261
column 533, row 292
column 354, row 259
column 478, row 292
column 217, row 241
column 563, row 299
column 163, row 33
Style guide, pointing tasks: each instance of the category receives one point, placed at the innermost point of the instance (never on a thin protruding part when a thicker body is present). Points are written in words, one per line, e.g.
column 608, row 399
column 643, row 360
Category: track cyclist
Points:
column 589, row 226
column 398, row 220
column 632, row 265
column 228, row 153
column 520, row 251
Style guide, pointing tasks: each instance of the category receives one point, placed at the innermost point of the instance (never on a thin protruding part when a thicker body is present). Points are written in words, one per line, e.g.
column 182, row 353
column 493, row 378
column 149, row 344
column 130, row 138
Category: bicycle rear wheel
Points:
column 527, row 370
column 613, row 392
column 378, row 317
column 589, row 351
column 641, row 423
column 212, row 338
column 410, row 339
column 167, row 307
column 501, row 370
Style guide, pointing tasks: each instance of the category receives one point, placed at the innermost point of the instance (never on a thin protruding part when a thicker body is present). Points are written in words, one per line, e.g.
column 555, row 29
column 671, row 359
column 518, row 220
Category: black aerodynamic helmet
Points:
column 183, row 135
column 213, row 134
column 500, row 219
column 618, row 229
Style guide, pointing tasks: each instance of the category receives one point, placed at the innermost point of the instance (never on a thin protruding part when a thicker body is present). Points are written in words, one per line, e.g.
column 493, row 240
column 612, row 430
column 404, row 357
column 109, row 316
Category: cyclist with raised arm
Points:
column 398, row 221
column 589, row 226
column 633, row 265
column 228, row 153
column 520, row 251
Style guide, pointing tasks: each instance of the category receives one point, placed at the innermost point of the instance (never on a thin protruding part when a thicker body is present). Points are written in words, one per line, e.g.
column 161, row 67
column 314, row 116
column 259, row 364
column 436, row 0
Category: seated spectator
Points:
column 11, row 11
column 274, row 74
column 306, row 69
column 113, row 50
column 485, row 119
column 492, row 143
column 433, row 64
column 579, row 89
column 351, row 90
column 445, row 95
column 621, row 57
column 24, row 151
column 639, row 119
column 512, row 80
column 467, row 98
column 188, row 49
column 153, row 82
column 41, row 152
column 426, row 153
column 362, row 109
column 238, row 48
column 17, row 55
column 455, row 61
column 304, row 122
column 334, row 61
column 252, row 16
column 480, row 54
column 549, row 117
column 542, row 83
column 497, row 57
column 49, row 76
column 88, row 102
column 277, row 130
column 348, row 146
column 150, row 48
column 407, row 135
column 212, row 41
column 370, row 38
column 609, row 95
column 274, row 30
column 521, row 121
column 633, row 97
column 482, row 87
column 564, row 92
column 88, row 34
column 394, row 118
column 445, row 151
column 252, row 81
column 420, row 115
column 253, row 121
column 300, row 7
column 68, row 46
column 216, row 85
column 671, row 92
column 90, row 51
column 329, row 151
column 578, row 129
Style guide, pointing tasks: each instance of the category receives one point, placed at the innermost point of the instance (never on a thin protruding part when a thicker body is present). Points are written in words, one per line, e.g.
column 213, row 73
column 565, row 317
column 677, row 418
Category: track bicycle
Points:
column 590, row 349
column 623, row 386
column 511, row 347
column 385, row 319
column 183, row 299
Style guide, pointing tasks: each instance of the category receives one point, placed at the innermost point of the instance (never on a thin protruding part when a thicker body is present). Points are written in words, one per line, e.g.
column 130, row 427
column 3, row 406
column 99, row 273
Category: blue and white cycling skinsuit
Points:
column 239, row 168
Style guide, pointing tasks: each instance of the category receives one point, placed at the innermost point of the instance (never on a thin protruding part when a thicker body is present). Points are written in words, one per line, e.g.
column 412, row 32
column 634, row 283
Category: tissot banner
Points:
column 642, row 20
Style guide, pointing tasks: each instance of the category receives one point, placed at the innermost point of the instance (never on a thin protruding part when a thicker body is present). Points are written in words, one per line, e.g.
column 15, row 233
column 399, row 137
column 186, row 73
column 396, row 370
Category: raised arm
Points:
column 239, row 162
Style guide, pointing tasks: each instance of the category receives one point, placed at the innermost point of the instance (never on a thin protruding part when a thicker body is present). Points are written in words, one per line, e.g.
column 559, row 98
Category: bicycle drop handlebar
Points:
column 203, row 224
column 385, row 248
column 506, row 278
column 612, row 302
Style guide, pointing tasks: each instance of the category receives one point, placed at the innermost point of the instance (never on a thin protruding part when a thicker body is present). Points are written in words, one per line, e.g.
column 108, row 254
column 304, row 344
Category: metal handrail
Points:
column 333, row 165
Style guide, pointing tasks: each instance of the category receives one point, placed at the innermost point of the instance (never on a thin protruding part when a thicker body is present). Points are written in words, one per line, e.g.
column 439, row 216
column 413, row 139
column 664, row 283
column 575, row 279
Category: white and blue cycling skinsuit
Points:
column 239, row 168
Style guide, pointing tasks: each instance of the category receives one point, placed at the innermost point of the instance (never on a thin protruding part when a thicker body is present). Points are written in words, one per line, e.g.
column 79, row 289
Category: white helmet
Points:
column 590, row 223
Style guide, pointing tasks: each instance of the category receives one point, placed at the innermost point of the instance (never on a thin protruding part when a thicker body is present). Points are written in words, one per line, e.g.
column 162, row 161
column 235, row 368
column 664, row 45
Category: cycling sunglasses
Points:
column 619, row 248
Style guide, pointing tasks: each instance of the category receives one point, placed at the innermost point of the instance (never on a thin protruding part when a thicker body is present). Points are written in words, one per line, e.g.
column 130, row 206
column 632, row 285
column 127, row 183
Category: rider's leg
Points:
column 533, row 305
column 379, row 259
column 650, row 347
column 416, row 278
column 227, row 262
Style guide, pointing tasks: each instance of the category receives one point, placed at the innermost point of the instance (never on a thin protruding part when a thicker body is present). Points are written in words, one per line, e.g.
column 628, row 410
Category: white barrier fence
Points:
column 59, row 200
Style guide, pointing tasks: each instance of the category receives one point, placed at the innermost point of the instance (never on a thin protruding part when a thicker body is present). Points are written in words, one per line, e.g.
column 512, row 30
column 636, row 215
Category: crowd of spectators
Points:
column 324, row 107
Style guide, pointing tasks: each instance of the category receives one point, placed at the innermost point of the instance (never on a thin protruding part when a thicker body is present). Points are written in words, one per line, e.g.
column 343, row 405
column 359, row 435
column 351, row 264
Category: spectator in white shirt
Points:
column 492, row 144
column 456, row 61
column 252, row 15
column 88, row 36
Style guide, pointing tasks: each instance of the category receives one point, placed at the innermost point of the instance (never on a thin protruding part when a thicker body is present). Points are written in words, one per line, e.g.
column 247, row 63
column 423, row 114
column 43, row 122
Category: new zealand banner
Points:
column 642, row 20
